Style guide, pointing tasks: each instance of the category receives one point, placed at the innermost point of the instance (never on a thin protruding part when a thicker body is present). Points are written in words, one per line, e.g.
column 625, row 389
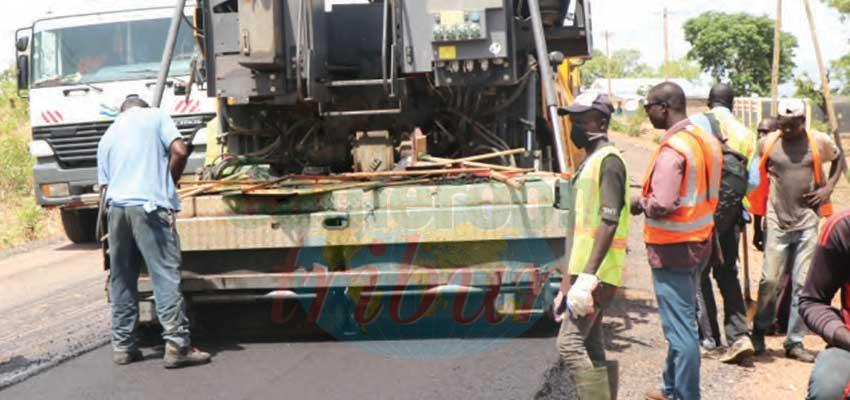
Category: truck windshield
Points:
column 113, row 51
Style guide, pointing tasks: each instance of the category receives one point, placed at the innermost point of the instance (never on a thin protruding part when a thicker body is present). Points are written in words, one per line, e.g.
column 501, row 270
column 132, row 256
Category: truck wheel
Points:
column 79, row 225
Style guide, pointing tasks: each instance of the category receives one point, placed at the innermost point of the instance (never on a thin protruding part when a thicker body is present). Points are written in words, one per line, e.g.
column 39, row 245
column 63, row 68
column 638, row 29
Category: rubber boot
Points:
column 613, row 367
column 592, row 384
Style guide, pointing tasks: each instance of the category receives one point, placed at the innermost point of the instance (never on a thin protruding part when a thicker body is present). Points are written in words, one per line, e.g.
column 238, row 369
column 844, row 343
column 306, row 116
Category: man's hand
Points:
column 818, row 197
column 580, row 297
column 637, row 208
column 758, row 237
column 559, row 307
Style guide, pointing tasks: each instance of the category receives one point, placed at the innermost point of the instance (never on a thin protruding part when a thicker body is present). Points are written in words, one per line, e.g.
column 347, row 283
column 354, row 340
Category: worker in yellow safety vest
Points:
column 598, row 250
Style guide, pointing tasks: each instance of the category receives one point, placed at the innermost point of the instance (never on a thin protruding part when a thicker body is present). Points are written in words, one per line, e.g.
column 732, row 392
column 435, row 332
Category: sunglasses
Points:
column 648, row 106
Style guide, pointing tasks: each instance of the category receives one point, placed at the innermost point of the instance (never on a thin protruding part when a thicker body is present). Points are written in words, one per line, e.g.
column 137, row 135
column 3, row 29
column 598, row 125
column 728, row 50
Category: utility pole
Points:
column 824, row 80
column 666, row 45
column 608, row 66
column 777, row 49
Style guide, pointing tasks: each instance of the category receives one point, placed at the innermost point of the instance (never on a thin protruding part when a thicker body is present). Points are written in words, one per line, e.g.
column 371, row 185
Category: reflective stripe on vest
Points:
column 693, row 220
column 588, row 220
column 758, row 198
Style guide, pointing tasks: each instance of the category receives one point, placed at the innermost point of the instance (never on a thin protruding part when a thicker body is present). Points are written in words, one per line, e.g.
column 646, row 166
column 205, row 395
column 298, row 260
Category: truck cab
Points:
column 76, row 70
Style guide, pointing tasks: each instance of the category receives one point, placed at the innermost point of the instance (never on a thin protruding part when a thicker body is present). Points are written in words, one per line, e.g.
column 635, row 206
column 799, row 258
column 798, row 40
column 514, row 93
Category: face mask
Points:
column 579, row 137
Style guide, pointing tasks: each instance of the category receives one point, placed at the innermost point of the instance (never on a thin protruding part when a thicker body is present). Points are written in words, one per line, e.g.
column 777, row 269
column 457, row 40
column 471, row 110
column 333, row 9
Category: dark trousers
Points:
column 136, row 236
column 734, row 308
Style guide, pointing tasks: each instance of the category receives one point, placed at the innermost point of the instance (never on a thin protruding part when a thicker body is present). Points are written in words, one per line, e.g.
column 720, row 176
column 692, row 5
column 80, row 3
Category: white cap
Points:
column 792, row 108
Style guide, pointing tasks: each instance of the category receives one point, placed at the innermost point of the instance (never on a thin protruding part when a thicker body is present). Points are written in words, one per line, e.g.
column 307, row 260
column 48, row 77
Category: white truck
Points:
column 77, row 69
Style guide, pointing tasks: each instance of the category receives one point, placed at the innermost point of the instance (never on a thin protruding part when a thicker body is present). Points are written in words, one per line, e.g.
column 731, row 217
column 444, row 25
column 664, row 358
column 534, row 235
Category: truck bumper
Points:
column 81, row 182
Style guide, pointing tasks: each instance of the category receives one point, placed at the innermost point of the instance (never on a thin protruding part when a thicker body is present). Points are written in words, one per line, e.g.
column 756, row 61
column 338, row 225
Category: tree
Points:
column 681, row 68
column 806, row 88
column 840, row 74
column 738, row 48
column 841, row 5
column 624, row 64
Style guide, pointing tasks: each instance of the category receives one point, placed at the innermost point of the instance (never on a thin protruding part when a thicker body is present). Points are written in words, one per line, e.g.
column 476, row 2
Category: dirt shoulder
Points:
column 770, row 376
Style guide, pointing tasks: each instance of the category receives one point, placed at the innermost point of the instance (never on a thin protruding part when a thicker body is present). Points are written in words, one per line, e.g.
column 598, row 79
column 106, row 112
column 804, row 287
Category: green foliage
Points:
column 15, row 165
column 30, row 217
column 23, row 218
column 738, row 48
column 629, row 124
column 624, row 64
column 15, row 161
column 841, row 5
column 805, row 88
column 627, row 64
column 681, row 68
column 839, row 73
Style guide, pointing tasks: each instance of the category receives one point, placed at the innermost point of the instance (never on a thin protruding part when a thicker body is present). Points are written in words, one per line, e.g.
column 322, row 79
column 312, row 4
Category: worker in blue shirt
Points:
column 139, row 159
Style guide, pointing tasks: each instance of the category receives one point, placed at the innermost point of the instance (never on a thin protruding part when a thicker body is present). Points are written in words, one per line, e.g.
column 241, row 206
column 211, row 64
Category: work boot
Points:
column 758, row 343
column 656, row 395
column 175, row 357
column 711, row 353
column 126, row 357
column 742, row 348
column 592, row 384
column 613, row 367
column 799, row 353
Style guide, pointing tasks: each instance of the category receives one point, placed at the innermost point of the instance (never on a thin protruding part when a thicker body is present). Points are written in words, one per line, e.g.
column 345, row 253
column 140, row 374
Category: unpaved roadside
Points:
column 770, row 376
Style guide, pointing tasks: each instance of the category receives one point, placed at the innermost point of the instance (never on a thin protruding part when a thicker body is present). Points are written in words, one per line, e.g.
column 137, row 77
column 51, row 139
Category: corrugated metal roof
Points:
column 626, row 88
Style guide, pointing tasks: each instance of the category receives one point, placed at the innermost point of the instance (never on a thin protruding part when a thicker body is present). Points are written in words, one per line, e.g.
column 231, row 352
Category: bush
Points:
column 629, row 124
column 15, row 165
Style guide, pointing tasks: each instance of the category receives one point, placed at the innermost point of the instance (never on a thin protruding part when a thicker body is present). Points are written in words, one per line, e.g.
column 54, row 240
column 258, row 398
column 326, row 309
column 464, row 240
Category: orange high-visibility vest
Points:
column 693, row 221
column 758, row 198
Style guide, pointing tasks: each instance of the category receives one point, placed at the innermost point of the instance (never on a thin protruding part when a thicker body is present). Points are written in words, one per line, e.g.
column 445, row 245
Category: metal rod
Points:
column 777, row 49
column 548, row 84
column 608, row 65
column 666, row 45
column 168, row 53
column 827, row 95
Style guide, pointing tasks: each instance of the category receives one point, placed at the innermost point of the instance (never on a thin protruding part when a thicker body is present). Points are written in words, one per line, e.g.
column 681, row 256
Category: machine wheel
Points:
column 80, row 225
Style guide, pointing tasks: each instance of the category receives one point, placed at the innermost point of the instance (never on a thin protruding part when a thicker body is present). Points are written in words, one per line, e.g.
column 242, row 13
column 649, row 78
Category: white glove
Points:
column 580, row 296
column 558, row 307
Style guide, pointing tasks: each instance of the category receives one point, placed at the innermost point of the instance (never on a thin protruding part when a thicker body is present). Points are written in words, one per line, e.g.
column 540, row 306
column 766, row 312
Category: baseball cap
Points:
column 590, row 100
column 792, row 108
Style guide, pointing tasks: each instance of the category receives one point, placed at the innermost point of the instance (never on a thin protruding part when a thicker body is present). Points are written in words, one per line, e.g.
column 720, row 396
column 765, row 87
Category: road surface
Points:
column 53, row 311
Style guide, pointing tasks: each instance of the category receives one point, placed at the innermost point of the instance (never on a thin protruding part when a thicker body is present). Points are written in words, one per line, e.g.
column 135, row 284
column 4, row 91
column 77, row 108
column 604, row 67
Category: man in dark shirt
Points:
column 597, row 254
column 828, row 273
column 797, row 192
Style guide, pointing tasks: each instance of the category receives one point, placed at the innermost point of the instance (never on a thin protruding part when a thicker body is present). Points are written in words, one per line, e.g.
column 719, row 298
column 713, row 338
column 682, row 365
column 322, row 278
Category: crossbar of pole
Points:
column 168, row 53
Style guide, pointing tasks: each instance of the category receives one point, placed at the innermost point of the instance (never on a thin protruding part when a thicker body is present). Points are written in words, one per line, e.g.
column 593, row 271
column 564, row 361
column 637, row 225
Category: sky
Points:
column 633, row 24
column 639, row 25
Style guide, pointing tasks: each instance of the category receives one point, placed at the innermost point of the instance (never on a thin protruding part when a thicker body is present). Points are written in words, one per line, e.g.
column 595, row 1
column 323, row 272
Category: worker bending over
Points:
column 139, row 159
column 829, row 273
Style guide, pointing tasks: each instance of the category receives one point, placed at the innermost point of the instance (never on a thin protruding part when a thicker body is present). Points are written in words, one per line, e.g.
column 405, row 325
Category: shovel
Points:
column 748, row 298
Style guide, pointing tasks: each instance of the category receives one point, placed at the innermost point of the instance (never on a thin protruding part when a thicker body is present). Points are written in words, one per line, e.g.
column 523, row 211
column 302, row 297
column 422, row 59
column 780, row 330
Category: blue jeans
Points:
column 675, row 292
column 830, row 375
column 136, row 236
column 779, row 246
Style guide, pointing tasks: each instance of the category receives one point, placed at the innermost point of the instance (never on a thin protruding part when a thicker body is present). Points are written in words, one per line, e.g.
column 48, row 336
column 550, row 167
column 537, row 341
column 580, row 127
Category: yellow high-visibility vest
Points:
column 588, row 219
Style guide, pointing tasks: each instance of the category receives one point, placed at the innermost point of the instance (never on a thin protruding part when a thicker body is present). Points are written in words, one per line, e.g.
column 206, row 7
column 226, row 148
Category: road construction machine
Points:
column 386, row 165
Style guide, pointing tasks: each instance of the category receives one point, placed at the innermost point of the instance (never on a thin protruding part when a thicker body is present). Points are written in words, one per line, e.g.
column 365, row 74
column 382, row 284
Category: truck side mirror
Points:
column 23, row 72
column 22, row 43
